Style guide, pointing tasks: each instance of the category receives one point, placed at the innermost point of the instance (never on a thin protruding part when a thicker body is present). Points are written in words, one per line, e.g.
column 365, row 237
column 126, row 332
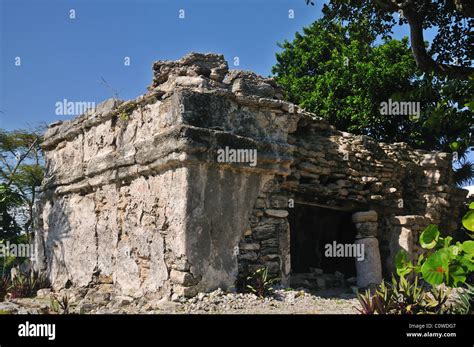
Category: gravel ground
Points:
column 281, row 302
column 218, row 302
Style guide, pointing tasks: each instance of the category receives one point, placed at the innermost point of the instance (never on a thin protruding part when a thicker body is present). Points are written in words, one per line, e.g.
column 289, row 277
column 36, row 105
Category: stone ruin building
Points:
column 135, row 196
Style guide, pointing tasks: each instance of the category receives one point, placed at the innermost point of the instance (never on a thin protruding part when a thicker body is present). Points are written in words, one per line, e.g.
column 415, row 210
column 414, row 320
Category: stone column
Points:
column 369, row 269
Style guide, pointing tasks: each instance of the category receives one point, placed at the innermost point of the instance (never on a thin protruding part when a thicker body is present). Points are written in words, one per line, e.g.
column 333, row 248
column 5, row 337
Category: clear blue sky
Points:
column 64, row 59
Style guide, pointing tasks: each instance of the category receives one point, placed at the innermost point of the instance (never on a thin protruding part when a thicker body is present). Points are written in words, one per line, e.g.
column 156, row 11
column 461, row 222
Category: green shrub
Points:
column 260, row 283
column 26, row 286
column 404, row 297
column 4, row 285
column 443, row 265
column 443, row 261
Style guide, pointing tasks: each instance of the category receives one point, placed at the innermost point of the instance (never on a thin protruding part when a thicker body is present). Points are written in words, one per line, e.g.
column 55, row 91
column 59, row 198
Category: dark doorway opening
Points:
column 311, row 228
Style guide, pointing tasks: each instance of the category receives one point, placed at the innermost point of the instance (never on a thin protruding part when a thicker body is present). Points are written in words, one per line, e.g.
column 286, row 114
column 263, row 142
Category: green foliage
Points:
column 435, row 269
column 455, row 146
column 124, row 116
column 4, row 285
column 437, row 300
column 21, row 174
column 409, row 298
column 453, row 20
column 402, row 264
column 443, row 261
column 260, row 283
column 125, row 110
column 22, row 286
column 404, row 297
column 468, row 247
column 341, row 74
column 379, row 302
column 9, row 200
column 429, row 237
column 468, row 220
column 465, row 301
column 367, row 303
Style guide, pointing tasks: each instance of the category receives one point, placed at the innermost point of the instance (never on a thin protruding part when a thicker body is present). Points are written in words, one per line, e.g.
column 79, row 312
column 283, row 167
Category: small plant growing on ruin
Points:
column 125, row 110
column 60, row 305
column 443, row 262
column 124, row 116
column 260, row 283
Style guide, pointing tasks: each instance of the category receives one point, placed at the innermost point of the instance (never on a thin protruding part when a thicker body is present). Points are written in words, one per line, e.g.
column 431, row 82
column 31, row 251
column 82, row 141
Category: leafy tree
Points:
column 451, row 52
column 21, row 174
column 338, row 74
column 9, row 200
column 342, row 75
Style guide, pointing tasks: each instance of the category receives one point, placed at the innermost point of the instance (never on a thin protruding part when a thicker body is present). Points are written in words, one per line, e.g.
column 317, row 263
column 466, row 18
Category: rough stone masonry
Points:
column 135, row 197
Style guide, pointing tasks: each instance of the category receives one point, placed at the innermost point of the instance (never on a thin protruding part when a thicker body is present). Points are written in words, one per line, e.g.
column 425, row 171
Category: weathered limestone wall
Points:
column 134, row 194
column 219, row 206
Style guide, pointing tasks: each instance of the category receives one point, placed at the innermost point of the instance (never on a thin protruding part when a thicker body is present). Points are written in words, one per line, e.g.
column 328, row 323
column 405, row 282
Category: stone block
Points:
column 263, row 232
column 277, row 213
column 249, row 246
column 363, row 217
column 183, row 278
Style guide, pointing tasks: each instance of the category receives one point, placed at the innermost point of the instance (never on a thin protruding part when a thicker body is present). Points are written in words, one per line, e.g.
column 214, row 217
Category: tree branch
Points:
column 19, row 161
column 5, row 162
column 423, row 60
